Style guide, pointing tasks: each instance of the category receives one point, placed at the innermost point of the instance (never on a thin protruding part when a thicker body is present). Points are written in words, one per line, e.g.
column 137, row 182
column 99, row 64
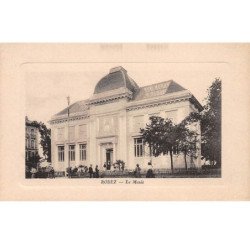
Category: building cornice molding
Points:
column 159, row 103
column 108, row 139
column 111, row 98
column 64, row 120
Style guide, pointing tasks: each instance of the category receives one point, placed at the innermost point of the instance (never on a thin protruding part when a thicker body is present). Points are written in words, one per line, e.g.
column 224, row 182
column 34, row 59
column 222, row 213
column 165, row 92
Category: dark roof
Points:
column 76, row 107
column 174, row 87
column 157, row 89
column 116, row 78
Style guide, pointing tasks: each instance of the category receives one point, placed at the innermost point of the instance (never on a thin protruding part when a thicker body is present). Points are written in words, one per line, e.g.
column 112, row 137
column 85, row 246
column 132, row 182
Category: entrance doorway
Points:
column 109, row 158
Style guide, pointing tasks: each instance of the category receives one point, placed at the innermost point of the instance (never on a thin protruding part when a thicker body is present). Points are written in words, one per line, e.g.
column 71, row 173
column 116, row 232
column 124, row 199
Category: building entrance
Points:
column 109, row 158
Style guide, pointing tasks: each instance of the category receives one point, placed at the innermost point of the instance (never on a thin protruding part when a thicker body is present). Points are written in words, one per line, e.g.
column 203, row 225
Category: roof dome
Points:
column 116, row 78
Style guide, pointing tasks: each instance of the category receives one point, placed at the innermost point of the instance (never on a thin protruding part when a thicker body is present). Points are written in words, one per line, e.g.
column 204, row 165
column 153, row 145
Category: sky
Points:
column 47, row 85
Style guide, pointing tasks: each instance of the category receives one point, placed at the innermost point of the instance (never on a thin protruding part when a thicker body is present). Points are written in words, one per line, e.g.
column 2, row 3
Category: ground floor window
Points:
column 72, row 152
column 83, row 153
column 138, row 147
column 60, row 153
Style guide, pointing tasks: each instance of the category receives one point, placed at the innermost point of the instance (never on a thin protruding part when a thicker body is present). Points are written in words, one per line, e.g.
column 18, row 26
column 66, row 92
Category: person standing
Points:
column 85, row 169
column 90, row 171
column 150, row 173
column 52, row 171
column 96, row 172
column 138, row 171
column 104, row 166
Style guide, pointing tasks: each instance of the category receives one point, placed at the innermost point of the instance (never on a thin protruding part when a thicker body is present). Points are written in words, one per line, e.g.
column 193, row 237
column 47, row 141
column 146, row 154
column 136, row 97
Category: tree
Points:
column 32, row 161
column 210, row 122
column 161, row 135
column 212, row 118
column 187, row 142
column 45, row 141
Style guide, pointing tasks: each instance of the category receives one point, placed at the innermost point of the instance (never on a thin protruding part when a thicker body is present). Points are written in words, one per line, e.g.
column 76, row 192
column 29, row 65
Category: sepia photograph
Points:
column 123, row 122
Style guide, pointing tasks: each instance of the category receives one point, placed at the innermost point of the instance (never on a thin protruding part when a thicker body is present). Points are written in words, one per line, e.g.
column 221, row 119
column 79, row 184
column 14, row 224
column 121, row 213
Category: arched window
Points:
column 32, row 144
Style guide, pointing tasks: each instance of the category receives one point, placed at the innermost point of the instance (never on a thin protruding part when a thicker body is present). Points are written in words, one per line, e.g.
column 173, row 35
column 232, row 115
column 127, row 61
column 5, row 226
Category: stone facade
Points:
column 106, row 126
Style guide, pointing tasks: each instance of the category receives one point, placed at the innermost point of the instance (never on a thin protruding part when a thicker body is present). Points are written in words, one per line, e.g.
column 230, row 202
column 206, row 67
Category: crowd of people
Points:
column 114, row 166
column 83, row 170
column 149, row 174
column 92, row 172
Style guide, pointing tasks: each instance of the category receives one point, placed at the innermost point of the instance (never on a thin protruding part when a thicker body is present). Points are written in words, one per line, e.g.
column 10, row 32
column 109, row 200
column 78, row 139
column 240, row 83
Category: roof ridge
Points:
column 124, row 77
column 133, row 82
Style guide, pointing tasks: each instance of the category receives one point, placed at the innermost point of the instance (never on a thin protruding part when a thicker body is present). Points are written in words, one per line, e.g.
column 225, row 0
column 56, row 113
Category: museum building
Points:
column 106, row 127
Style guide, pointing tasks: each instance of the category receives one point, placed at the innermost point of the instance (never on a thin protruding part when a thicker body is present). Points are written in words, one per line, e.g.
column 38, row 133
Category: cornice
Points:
column 159, row 103
column 74, row 118
column 109, row 99
column 106, row 136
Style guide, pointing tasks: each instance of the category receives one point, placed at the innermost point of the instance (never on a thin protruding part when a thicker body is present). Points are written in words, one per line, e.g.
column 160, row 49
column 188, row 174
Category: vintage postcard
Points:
column 124, row 122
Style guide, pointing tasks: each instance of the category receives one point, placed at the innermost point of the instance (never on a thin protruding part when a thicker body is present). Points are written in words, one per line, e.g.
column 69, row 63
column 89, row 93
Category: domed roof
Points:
column 116, row 78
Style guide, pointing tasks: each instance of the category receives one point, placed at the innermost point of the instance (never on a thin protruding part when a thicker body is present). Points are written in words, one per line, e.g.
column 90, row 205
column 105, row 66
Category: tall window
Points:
column 32, row 131
column 83, row 154
column 60, row 153
column 138, row 147
column 72, row 152
column 32, row 144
